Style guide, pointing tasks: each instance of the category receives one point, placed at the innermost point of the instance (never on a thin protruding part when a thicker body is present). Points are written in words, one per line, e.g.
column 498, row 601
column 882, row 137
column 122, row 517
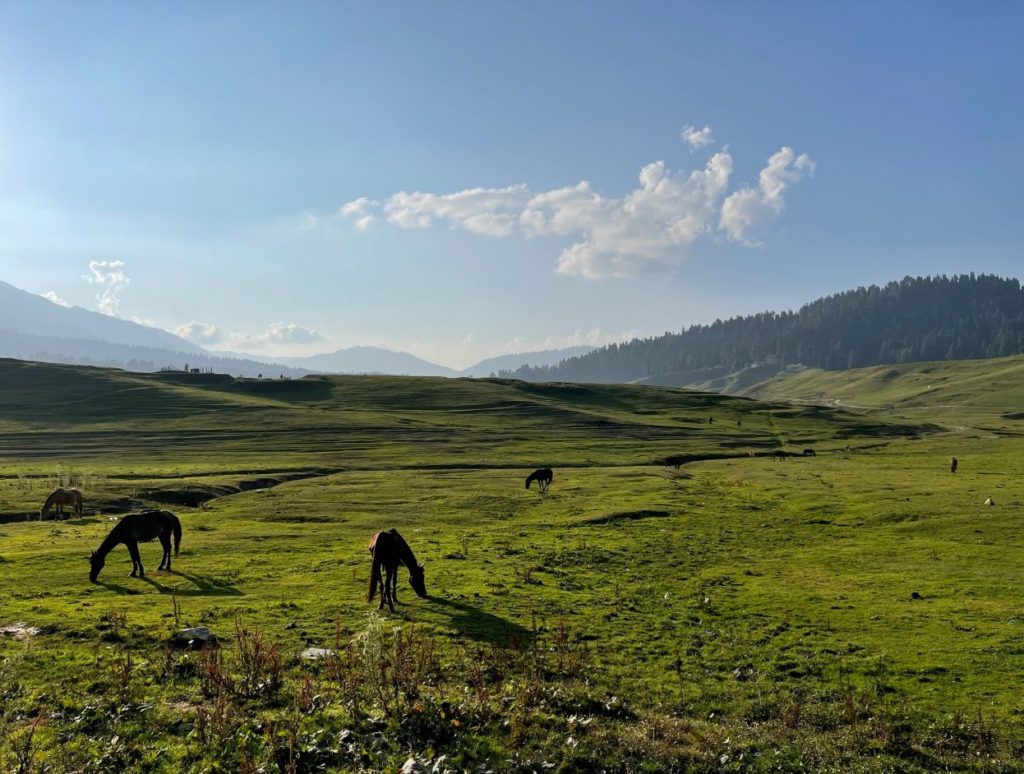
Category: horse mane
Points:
column 405, row 553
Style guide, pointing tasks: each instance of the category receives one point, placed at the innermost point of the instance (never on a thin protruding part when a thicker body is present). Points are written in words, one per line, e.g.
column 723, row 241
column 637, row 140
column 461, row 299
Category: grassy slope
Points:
column 728, row 589
column 965, row 388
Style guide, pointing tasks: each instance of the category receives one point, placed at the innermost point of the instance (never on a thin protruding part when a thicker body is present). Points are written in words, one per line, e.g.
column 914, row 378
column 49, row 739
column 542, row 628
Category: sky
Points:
column 460, row 180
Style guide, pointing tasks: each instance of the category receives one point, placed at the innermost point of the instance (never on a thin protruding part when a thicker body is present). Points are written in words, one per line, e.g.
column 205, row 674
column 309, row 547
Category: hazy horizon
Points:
column 462, row 181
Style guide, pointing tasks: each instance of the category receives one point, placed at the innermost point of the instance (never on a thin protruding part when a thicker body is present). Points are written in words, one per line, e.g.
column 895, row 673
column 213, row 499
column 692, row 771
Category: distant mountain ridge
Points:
column 27, row 313
column 543, row 357
column 34, row 328
column 916, row 319
column 368, row 360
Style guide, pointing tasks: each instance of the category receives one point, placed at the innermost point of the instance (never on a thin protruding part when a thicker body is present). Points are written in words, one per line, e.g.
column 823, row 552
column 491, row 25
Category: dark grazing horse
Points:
column 389, row 550
column 59, row 499
column 138, row 528
column 810, row 453
column 543, row 477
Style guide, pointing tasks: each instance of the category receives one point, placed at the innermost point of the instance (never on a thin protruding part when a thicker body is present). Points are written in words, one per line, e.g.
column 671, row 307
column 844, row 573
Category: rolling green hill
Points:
column 989, row 391
column 672, row 603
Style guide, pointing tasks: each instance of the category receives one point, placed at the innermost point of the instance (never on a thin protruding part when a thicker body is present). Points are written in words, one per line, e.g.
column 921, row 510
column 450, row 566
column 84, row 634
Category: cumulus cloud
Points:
column 290, row 333
column 278, row 333
column 649, row 228
column 200, row 333
column 747, row 207
column 111, row 279
column 52, row 297
column 360, row 210
column 697, row 138
column 489, row 211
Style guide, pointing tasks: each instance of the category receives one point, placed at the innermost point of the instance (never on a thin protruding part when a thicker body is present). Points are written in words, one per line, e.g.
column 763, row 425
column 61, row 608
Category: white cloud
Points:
column 290, row 333
column 52, row 297
column 648, row 229
column 277, row 334
column 357, row 207
column 200, row 333
column 111, row 279
column 747, row 207
column 360, row 210
column 489, row 211
column 697, row 138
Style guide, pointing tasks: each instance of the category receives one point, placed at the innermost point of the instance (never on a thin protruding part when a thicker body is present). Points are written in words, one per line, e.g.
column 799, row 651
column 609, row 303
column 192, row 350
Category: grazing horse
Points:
column 138, row 528
column 59, row 499
column 810, row 453
column 953, row 464
column 389, row 550
column 779, row 454
column 543, row 477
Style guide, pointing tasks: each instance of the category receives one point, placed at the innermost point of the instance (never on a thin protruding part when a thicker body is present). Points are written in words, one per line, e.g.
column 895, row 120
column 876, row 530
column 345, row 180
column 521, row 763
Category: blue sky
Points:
column 188, row 164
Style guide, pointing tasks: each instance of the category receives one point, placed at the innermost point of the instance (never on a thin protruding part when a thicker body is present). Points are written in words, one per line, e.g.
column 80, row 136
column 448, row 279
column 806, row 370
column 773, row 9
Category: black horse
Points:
column 543, row 477
column 389, row 550
column 138, row 528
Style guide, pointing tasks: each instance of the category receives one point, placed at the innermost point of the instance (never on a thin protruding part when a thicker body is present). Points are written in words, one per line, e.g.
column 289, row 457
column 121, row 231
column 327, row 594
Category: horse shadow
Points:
column 474, row 623
column 117, row 588
column 204, row 587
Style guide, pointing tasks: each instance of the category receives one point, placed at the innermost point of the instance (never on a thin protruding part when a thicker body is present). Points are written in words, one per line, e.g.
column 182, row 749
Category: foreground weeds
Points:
column 395, row 697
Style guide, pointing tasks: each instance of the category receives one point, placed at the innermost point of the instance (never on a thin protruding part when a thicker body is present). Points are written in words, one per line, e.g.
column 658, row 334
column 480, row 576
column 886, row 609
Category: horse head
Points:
column 417, row 581
column 96, row 563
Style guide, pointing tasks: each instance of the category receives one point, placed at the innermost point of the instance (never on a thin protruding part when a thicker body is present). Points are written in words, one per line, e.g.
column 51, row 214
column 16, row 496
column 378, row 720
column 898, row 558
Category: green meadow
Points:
column 677, row 601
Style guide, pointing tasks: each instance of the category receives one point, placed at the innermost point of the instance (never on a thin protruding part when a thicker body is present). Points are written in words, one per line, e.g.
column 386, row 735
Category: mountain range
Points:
column 35, row 328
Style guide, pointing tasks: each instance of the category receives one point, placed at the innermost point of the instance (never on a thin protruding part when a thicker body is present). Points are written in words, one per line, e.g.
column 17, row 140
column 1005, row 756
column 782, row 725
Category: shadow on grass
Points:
column 484, row 627
column 204, row 586
column 117, row 588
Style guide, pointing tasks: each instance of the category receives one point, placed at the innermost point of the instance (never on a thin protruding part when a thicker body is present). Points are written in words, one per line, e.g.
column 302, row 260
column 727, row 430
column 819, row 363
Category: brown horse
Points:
column 953, row 464
column 138, row 528
column 59, row 499
column 389, row 550
column 543, row 477
column 778, row 454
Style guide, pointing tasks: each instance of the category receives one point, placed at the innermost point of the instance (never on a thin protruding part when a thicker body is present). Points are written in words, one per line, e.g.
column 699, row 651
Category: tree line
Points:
column 916, row 319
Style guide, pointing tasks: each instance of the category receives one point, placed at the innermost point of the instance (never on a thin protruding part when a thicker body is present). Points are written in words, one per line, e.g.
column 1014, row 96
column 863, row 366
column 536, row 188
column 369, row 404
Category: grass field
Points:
column 852, row 611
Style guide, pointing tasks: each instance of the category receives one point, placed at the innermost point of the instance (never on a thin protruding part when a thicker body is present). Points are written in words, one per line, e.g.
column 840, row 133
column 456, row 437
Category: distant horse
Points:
column 59, row 499
column 138, row 528
column 810, row 453
column 778, row 454
column 543, row 477
column 953, row 464
column 389, row 550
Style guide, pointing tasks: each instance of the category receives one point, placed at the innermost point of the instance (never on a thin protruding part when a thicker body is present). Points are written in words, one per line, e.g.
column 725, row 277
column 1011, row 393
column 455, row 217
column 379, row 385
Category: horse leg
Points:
column 165, row 561
column 383, row 588
column 394, row 587
column 389, row 582
column 133, row 550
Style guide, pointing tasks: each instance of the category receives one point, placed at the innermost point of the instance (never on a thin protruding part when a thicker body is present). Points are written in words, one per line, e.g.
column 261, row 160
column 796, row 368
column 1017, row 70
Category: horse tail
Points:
column 374, row 577
column 176, row 529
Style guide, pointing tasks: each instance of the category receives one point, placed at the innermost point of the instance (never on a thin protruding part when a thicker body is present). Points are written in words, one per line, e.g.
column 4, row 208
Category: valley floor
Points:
column 855, row 610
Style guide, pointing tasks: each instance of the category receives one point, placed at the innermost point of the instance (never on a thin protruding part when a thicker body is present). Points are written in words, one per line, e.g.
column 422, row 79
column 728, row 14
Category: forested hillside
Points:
column 916, row 319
